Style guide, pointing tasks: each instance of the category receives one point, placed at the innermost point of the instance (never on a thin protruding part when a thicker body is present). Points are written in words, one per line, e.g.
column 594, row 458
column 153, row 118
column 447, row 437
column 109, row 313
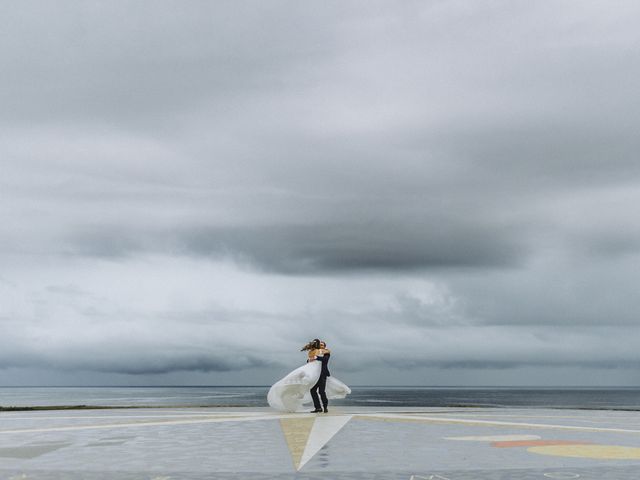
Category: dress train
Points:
column 294, row 390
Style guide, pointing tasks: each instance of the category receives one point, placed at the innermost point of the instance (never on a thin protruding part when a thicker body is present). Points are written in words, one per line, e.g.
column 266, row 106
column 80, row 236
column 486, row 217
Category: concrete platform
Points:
column 347, row 443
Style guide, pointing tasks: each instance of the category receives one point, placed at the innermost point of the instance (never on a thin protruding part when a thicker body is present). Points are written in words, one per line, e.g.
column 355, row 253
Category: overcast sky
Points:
column 445, row 191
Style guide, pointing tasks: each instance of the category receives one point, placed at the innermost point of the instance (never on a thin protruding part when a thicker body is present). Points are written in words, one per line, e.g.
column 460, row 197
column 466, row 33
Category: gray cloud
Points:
column 440, row 182
column 135, row 362
column 308, row 249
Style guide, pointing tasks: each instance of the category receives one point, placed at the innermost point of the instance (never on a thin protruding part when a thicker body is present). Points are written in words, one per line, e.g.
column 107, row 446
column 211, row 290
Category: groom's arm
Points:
column 324, row 359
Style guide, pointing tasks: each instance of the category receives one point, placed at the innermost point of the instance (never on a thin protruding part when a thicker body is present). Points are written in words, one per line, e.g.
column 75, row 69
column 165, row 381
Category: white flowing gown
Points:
column 294, row 390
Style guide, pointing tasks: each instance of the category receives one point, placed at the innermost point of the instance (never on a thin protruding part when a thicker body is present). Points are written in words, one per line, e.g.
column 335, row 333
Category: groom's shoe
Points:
column 326, row 410
column 316, row 411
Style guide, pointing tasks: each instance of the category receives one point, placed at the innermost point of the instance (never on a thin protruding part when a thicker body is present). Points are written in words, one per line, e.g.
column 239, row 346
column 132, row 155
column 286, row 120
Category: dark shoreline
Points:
column 496, row 398
column 128, row 407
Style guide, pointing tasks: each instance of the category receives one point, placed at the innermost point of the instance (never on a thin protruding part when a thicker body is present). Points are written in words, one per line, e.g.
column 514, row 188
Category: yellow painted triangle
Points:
column 296, row 433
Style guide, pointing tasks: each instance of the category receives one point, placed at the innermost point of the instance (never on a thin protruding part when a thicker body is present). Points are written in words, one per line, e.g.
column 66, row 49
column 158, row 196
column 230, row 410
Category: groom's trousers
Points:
column 320, row 386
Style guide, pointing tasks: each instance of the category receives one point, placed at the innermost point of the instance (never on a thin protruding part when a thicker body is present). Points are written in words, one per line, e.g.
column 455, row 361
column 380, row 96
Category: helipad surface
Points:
column 348, row 443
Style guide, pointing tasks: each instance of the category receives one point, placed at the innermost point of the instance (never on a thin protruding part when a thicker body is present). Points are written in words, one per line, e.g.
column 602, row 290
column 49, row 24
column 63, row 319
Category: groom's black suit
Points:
column 321, row 383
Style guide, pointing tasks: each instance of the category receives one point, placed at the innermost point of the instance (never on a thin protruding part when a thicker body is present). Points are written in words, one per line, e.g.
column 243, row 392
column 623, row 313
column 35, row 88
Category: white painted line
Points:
column 135, row 424
column 108, row 417
column 323, row 430
column 239, row 418
column 498, row 423
column 495, row 438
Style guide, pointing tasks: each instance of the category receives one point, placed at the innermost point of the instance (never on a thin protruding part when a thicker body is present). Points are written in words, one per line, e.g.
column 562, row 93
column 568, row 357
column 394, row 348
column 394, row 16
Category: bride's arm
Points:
column 311, row 356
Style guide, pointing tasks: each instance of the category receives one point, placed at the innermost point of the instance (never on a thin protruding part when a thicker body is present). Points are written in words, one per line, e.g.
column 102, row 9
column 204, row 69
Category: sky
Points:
column 444, row 191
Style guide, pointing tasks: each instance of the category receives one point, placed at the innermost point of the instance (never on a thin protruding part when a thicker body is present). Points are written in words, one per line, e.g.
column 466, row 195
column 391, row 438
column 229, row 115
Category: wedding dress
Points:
column 290, row 393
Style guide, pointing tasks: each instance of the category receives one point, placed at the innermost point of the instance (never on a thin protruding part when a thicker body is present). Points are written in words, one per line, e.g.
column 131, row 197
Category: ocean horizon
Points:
column 617, row 397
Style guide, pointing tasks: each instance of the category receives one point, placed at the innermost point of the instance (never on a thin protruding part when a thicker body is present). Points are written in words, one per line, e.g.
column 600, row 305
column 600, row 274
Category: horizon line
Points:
column 357, row 386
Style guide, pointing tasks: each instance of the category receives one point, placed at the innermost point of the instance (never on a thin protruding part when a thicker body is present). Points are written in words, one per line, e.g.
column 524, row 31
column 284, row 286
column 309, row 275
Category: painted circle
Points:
column 604, row 452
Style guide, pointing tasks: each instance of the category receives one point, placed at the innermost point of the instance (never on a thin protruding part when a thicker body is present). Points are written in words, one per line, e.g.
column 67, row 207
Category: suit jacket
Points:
column 325, row 362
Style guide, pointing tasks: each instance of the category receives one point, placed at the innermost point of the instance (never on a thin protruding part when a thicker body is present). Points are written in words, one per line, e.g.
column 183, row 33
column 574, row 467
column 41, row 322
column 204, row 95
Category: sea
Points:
column 613, row 398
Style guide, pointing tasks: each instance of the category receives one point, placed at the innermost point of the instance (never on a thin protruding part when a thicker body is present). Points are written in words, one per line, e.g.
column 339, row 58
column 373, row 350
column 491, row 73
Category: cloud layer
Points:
column 198, row 189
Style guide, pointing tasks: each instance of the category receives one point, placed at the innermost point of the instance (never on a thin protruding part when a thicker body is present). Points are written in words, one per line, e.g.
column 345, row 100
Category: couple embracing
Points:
column 308, row 382
column 318, row 352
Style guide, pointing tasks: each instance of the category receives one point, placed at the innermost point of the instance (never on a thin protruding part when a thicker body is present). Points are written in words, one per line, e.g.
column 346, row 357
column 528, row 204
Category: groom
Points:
column 323, row 356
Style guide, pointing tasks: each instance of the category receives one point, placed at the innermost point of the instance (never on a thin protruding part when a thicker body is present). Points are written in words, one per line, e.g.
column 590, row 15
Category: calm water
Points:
column 626, row 398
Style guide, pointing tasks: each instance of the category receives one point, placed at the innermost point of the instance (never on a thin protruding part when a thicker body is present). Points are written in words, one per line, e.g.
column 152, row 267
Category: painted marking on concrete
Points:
column 564, row 475
column 323, row 430
column 138, row 413
column 448, row 420
column 296, row 433
column 593, row 419
column 537, row 443
column 98, row 417
column 192, row 420
column 137, row 424
column 603, row 452
column 495, row 438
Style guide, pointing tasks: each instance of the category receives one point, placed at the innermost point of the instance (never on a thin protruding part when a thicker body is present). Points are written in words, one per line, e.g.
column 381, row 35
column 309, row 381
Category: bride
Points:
column 290, row 393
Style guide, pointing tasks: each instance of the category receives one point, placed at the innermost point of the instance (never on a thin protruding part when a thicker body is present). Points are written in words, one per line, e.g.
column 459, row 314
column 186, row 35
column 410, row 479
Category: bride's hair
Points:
column 315, row 343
